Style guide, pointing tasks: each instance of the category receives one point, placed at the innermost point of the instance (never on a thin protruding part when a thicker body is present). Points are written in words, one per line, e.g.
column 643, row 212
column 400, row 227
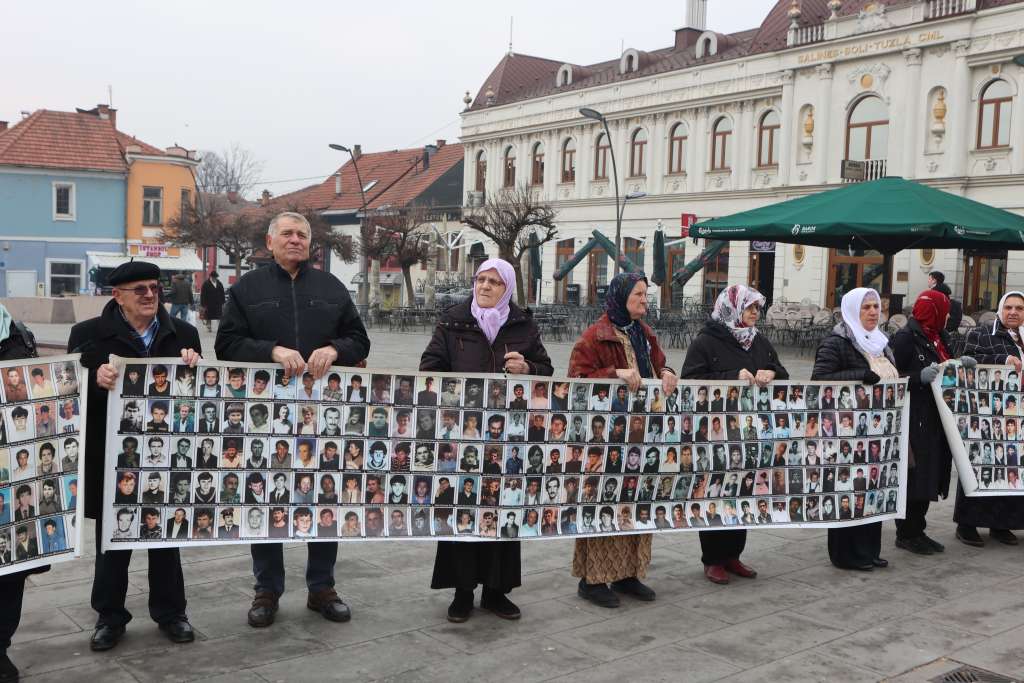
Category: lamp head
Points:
column 636, row 195
column 340, row 148
column 592, row 114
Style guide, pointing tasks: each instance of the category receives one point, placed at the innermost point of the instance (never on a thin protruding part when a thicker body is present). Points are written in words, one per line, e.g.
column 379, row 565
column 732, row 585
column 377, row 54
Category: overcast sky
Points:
column 284, row 79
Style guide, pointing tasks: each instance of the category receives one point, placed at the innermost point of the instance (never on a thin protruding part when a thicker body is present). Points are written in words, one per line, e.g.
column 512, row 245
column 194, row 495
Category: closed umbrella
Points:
column 660, row 266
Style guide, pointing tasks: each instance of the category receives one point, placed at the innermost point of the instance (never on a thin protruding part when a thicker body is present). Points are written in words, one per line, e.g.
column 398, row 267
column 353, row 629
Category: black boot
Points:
column 8, row 672
column 462, row 606
column 498, row 603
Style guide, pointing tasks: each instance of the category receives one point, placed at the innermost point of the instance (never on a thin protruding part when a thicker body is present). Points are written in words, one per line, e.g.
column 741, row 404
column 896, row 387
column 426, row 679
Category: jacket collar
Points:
column 605, row 331
column 113, row 324
column 460, row 316
column 282, row 273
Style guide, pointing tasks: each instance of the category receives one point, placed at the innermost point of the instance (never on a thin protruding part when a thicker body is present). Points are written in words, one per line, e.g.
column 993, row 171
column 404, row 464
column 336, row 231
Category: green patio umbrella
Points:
column 625, row 263
column 660, row 269
column 886, row 215
column 683, row 275
column 534, row 248
column 567, row 267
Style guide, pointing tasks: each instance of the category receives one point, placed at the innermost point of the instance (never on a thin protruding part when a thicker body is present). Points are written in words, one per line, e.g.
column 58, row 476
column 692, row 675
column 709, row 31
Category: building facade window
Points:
column 509, row 175
column 994, row 115
column 633, row 249
column 848, row 270
column 867, row 130
column 601, row 157
column 64, row 276
column 768, row 140
column 481, row 171
column 569, row 161
column 716, row 275
column 63, row 201
column 564, row 251
column 152, row 205
column 537, row 165
column 637, row 153
column 720, row 134
column 677, row 148
column 186, row 202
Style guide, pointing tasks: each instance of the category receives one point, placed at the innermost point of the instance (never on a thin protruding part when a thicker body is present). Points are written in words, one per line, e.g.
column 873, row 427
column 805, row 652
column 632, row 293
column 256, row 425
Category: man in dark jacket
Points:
column 302, row 318
column 181, row 297
column 211, row 298
column 133, row 325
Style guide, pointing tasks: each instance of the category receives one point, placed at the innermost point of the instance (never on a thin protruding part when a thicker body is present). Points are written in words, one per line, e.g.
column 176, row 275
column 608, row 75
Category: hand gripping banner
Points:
column 229, row 453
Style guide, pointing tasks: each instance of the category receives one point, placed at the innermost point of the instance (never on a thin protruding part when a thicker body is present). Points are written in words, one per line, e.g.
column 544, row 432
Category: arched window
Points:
column 601, row 157
column 720, row 134
column 768, row 140
column 630, row 63
column 867, row 130
column 509, row 176
column 537, row 165
column 994, row 115
column 637, row 156
column 569, row 161
column 677, row 148
column 481, row 171
column 564, row 76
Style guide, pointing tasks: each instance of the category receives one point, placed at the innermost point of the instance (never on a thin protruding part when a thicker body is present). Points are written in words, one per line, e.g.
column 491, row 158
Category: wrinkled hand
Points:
column 669, row 381
column 968, row 361
column 764, row 377
column 929, row 374
column 106, row 376
column 746, row 376
column 190, row 357
column 871, row 377
column 290, row 360
column 321, row 360
column 515, row 364
column 630, row 377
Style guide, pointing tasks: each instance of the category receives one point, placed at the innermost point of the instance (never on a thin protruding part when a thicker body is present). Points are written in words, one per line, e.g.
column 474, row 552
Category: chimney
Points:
column 232, row 196
column 428, row 151
column 3, row 126
column 441, row 142
column 337, row 184
column 696, row 14
column 265, row 198
column 357, row 151
column 107, row 113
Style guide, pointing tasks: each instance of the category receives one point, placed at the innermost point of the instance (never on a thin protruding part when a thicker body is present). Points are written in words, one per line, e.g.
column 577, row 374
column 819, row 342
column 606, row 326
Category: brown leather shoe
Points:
column 263, row 610
column 734, row 566
column 329, row 605
column 715, row 573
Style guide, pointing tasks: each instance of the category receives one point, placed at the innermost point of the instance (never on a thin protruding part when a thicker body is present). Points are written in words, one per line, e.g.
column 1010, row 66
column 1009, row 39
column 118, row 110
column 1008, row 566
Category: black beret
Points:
column 133, row 271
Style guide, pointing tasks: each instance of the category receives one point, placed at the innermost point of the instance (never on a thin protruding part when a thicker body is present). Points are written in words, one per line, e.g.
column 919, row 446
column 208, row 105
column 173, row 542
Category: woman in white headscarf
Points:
column 856, row 351
column 1002, row 343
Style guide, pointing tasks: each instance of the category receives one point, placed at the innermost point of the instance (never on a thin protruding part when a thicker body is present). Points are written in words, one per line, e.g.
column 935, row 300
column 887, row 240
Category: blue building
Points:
column 63, row 182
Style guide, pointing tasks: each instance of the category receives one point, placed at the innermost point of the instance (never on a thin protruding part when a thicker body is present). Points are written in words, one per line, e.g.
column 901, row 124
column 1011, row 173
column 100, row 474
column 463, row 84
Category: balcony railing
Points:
column 805, row 35
column 873, row 170
column 947, row 8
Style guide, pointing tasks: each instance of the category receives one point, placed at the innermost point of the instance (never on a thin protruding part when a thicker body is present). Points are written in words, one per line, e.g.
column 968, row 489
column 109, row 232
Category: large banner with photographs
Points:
column 984, row 424
column 227, row 453
column 42, row 430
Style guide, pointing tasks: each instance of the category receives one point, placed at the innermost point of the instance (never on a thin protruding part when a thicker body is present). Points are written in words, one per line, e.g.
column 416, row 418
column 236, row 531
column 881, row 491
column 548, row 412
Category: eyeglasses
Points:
column 142, row 290
column 489, row 281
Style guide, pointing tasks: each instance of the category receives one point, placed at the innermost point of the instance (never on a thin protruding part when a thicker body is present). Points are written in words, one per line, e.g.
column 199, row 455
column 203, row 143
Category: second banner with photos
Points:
column 984, row 424
column 230, row 453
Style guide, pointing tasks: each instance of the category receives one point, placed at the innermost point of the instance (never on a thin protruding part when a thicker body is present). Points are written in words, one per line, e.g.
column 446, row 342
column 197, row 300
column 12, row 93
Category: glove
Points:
column 871, row 377
column 968, row 361
column 929, row 374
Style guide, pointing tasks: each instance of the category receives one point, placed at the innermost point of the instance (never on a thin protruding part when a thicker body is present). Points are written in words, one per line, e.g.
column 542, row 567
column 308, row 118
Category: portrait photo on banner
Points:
column 42, row 437
column 226, row 453
column 981, row 415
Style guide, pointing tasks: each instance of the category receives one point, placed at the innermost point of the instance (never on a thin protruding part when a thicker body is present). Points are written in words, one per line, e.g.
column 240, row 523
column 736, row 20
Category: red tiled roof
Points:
column 66, row 140
column 125, row 141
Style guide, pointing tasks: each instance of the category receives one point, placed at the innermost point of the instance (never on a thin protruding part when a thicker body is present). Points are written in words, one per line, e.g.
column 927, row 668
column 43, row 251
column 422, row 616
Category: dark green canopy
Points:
column 887, row 215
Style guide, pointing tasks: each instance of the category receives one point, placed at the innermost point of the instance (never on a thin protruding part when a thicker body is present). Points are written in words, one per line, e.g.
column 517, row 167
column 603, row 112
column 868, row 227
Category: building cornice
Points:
column 62, row 172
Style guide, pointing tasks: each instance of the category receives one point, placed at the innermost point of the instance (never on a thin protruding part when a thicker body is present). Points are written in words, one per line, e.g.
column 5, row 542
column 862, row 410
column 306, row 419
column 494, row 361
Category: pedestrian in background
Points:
column 211, row 299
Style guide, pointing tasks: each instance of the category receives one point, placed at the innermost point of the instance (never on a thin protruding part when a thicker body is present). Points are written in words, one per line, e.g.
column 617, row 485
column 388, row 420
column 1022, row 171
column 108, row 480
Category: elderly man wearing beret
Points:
column 133, row 325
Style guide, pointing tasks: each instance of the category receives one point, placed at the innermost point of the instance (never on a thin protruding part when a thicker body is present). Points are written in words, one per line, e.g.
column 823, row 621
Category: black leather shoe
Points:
column 970, row 536
column 263, row 610
column 179, row 630
column 597, row 593
column 933, row 544
column 879, row 563
column 461, row 607
column 916, row 545
column 633, row 586
column 329, row 605
column 8, row 672
column 1004, row 536
column 870, row 566
column 105, row 637
column 499, row 605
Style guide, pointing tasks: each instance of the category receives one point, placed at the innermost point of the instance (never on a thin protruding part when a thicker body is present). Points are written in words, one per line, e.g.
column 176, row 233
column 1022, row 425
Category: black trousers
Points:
column 496, row 566
column 915, row 523
column 855, row 546
column 12, row 592
column 718, row 547
column 110, row 584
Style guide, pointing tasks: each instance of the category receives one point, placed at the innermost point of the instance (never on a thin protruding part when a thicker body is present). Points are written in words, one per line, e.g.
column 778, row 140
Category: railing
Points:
column 945, row 8
column 808, row 34
column 873, row 170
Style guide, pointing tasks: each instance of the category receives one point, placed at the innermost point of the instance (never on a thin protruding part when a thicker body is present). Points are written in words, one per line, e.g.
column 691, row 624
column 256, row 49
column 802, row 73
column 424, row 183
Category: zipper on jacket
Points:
column 295, row 315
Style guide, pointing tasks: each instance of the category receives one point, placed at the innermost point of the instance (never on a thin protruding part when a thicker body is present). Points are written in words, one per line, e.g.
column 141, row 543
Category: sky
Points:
column 284, row 79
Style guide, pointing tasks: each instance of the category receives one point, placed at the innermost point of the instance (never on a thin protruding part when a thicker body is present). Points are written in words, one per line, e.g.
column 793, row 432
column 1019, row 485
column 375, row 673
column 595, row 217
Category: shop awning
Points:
column 187, row 261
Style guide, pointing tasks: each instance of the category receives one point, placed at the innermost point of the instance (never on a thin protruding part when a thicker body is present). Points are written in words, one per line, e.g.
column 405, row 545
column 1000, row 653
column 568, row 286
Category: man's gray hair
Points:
column 290, row 215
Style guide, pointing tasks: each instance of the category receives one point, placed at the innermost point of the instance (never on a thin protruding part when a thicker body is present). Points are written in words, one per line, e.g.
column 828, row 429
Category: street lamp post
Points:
column 598, row 116
column 364, row 288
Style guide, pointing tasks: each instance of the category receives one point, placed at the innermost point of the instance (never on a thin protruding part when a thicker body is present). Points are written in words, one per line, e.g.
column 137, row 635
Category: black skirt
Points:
column 854, row 546
column 495, row 565
column 996, row 512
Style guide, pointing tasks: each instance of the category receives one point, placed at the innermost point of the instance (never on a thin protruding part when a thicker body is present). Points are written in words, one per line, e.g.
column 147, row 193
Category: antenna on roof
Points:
column 110, row 96
column 511, row 21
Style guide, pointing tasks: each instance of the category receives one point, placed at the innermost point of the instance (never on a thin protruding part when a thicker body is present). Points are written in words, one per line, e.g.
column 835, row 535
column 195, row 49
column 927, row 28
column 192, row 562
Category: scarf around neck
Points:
column 491, row 320
column 615, row 308
column 729, row 311
column 872, row 343
column 930, row 311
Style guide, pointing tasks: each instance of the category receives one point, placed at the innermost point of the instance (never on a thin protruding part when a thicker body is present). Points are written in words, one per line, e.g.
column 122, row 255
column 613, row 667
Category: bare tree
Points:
column 507, row 219
column 215, row 222
column 234, row 169
column 408, row 237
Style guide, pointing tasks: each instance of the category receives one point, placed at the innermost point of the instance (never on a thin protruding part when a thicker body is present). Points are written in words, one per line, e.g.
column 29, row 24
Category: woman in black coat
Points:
column 211, row 298
column 856, row 350
column 486, row 334
column 729, row 348
column 918, row 348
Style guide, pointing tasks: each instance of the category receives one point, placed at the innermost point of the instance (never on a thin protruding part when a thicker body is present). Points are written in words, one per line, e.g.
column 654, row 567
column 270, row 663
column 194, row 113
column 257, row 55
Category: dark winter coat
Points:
column 181, row 292
column 96, row 339
column 932, row 460
column 988, row 347
column 838, row 359
column 715, row 354
column 459, row 345
column 211, row 298
column 599, row 352
column 268, row 308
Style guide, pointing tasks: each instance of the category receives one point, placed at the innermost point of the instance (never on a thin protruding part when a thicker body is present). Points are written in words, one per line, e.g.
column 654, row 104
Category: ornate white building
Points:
column 716, row 124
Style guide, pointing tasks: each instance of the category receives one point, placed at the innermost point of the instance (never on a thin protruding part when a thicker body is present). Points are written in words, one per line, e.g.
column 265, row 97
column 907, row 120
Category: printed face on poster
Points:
column 244, row 454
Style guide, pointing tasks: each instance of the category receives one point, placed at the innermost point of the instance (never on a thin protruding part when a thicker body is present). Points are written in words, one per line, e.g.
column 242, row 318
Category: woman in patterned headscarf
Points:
column 730, row 348
column 619, row 345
